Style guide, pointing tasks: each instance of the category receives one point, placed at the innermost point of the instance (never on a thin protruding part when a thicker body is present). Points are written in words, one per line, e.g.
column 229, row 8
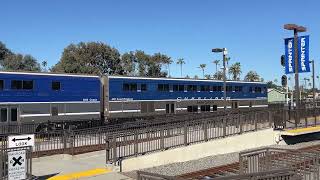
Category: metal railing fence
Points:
column 305, row 164
column 161, row 133
column 136, row 142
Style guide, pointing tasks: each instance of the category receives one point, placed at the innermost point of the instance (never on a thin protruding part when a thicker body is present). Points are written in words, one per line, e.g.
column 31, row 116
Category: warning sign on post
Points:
column 21, row 140
column 17, row 165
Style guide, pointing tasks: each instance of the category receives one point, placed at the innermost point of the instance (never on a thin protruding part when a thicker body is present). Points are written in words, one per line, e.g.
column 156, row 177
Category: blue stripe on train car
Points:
column 72, row 88
column 116, row 91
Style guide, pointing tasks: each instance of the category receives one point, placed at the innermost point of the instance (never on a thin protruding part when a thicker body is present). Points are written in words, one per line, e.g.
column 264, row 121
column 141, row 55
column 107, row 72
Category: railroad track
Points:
column 234, row 168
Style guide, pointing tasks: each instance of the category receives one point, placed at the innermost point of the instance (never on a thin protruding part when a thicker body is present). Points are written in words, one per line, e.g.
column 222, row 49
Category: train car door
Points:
column 9, row 114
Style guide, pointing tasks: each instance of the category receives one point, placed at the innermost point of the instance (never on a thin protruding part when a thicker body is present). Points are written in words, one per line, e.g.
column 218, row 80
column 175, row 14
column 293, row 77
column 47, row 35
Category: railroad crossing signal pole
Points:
column 296, row 29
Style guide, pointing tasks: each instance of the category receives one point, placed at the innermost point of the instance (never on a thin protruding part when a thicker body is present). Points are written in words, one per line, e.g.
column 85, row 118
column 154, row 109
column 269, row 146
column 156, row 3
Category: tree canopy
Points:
column 89, row 58
column 99, row 58
column 4, row 52
column 19, row 62
column 252, row 76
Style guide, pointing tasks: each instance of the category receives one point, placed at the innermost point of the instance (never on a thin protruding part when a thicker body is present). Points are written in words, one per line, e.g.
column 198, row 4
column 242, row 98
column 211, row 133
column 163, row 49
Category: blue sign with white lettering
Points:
column 289, row 55
column 303, row 55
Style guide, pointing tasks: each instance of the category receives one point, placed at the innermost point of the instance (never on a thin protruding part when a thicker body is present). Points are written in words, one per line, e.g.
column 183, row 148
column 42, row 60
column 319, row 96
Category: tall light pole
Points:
column 224, row 52
column 313, row 85
column 296, row 29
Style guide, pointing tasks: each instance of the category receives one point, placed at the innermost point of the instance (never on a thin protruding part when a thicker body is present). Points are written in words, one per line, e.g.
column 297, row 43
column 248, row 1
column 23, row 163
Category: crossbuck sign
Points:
column 17, row 165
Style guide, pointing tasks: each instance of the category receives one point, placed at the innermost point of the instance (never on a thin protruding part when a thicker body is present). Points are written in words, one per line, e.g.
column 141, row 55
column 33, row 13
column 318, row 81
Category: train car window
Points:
column 54, row 111
column 229, row 88
column 251, row 90
column 204, row 88
column 3, row 115
column 14, row 114
column 257, row 89
column 56, row 85
column 175, row 87
column 1, row 84
column 191, row 88
column 166, row 87
column 133, row 87
column 214, row 107
column 143, row 87
column 238, row 88
column 214, row 88
column 178, row 87
column 16, row 84
column 125, row 87
column 163, row 87
column 205, row 107
column 219, row 88
column 181, row 87
column 27, row 85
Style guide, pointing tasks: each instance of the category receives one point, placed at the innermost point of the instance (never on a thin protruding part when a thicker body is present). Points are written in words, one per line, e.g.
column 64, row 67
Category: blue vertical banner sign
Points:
column 303, row 55
column 289, row 55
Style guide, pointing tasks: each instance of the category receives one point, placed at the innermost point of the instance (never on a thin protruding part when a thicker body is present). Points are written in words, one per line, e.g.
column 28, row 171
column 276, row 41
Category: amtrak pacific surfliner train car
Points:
column 42, row 97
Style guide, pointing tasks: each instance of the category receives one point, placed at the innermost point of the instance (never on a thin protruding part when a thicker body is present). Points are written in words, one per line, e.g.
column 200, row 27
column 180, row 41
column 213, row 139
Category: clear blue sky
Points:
column 250, row 29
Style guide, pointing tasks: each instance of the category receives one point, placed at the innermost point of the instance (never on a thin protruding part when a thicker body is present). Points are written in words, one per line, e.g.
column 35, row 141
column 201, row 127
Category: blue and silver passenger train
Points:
column 42, row 97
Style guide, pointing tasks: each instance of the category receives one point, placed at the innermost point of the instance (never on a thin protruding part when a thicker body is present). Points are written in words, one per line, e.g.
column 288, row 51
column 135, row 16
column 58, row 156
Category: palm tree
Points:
column 181, row 62
column 218, row 75
column 217, row 63
column 252, row 76
column 44, row 65
column 235, row 70
column 275, row 81
column 202, row 67
column 168, row 62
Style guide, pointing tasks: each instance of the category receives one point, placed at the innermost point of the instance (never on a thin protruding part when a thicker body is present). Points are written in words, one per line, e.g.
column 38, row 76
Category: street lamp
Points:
column 296, row 29
column 224, row 52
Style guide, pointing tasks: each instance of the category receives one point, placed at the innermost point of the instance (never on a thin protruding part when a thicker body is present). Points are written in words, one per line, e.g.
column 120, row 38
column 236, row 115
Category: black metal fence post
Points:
column 240, row 123
column 162, row 138
column 255, row 121
column 136, row 143
column 114, row 147
column 315, row 115
column 224, row 124
column 205, row 130
column 270, row 118
column 72, row 143
column 64, row 140
column 185, row 133
column 107, row 150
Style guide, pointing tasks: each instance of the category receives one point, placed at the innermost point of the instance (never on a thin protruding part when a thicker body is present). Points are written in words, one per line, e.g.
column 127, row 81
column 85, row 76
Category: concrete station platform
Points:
column 67, row 167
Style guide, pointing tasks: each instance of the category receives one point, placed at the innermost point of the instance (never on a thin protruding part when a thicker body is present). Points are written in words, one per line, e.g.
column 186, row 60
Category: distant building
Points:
column 276, row 96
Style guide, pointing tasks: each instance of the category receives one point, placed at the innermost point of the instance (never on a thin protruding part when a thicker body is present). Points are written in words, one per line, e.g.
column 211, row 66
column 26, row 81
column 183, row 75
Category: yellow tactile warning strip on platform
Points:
column 301, row 130
column 82, row 174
